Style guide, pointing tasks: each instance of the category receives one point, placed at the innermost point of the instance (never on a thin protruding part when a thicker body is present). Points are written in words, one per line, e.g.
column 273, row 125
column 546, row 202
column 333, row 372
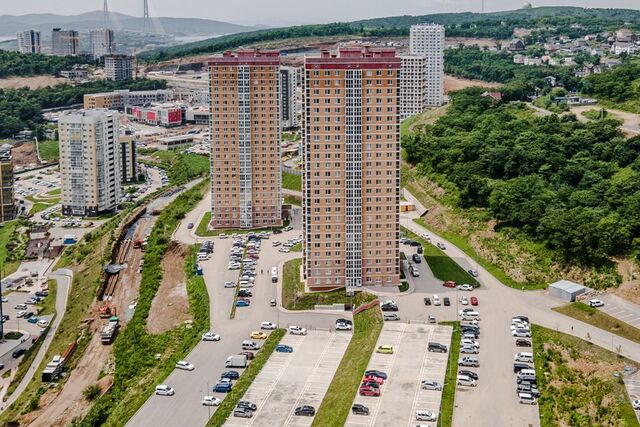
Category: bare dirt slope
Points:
column 30, row 82
column 24, row 154
column 451, row 84
column 170, row 307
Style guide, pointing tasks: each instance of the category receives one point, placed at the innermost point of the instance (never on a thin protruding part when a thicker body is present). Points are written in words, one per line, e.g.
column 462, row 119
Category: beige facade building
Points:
column 245, row 139
column 7, row 199
column 119, row 99
column 128, row 157
column 90, row 164
column 351, row 178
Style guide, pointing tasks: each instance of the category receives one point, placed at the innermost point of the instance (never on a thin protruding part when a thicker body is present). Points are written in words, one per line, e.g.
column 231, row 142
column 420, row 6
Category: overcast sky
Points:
column 286, row 12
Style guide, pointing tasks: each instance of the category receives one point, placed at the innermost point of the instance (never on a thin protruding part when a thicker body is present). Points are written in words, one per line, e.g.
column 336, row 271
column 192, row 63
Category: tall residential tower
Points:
column 428, row 40
column 351, row 184
column 7, row 199
column 65, row 42
column 29, row 41
column 90, row 164
column 102, row 42
column 245, row 139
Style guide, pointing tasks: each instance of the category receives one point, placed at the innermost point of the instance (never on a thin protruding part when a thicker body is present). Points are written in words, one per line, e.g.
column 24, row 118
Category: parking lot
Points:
column 632, row 383
column 410, row 364
column 625, row 311
column 289, row 380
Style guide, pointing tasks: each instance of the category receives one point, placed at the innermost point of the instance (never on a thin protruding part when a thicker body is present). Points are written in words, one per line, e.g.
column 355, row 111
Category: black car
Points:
column 416, row 258
column 244, row 294
column 517, row 367
column 447, row 301
column 427, row 301
column 248, row 405
column 19, row 352
column 414, row 243
column 420, row 249
column 359, row 409
column 28, row 315
column 347, row 321
column 277, row 231
column 437, row 347
column 523, row 343
column 389, row 307
column 523, row 318
column 305, row 410
column 372, row 384
column 232, row 375
column 470, row 374
column 375, row 373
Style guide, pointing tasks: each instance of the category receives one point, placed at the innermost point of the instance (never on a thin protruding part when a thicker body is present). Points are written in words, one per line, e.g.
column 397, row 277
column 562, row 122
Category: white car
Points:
column 472, row 343
column 210, row 401
column 389, row 301
column 469, row 349
column 185, row 366
column 284, row 250
column 426, row 236
column 297, row 330
column 275, row 243
column 431, row 385
column 268, row 325
column 464, row 301
column 164, row 390
column 21, row 313
column 596, row 303
column 422, row 415
column 521, row 333
column 515, row 326
column 636, row 404
column 343, row 327
column 465, row 287
column 210, row 336
column 4, row 299
column 229, row 284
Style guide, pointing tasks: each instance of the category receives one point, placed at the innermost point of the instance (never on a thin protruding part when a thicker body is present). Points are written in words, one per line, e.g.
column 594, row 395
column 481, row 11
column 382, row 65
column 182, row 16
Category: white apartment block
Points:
column 118, row 67
column 90, row 163
column 413, row 85
column 428, row 40
column 289, row 96
column 101, row 42
column 29, row 41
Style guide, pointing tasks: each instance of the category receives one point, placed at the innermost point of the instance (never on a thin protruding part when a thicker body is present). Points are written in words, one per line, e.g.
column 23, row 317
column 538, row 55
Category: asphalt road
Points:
column 185, row 408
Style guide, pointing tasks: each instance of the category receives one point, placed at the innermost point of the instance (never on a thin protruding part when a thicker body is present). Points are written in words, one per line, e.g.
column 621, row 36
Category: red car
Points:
column 366, row 390
column 449, row 284
column 474, row 301
column 373, row 379
column 250, row 355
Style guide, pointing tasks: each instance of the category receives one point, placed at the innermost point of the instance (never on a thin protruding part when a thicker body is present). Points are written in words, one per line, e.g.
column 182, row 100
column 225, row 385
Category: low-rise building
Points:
column 118, row 99
column 176, row 142
column 197, row 115
column 166, row 115
column 75, row 73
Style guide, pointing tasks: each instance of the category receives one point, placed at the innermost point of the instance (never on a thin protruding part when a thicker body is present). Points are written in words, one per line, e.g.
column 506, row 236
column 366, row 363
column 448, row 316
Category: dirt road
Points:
column 30, row 82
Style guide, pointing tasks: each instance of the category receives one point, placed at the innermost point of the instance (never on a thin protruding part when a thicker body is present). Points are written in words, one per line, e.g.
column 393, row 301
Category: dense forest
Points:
column 20, row 64
column 499, row 25
column 574, row 186
column 471, row 62
column 22, row 108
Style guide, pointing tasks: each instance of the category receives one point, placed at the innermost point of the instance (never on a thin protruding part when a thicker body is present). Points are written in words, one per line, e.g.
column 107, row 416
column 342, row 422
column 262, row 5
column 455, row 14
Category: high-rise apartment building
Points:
column 245, row 139
column 413, row 85
column 7, row 200
column 102, row 42
column 351, row 178
column 288, row 87
column 128, row 157
column 90, row 164
column 428, row 40
column 65, row 42
column 29, row 41
column 118, row 67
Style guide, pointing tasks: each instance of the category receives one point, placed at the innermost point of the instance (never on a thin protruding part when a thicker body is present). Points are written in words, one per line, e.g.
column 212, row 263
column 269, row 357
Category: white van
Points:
column 436, row 300
column 466, row 381
column 471, row 315
column 526, row 399
column 523, row 357
column 274, row 275
column 527, row 374
column 424, row 415
column 249, row 345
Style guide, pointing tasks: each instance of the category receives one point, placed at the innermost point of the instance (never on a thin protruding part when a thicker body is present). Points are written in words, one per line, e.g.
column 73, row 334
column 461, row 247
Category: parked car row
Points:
column 371, row 385
column 469, row 345
column 526, row 384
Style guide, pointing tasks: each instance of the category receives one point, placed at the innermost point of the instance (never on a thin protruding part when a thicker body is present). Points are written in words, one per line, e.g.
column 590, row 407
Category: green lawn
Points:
column 443, row 267
column 202, row 231
column 291, row 181
column 48, row 304
column 49, row 150
column 599, row 319
column 292, row 200
column 295, row 298
column 55, row 192
column 40, row 204
column 336, row 404
column 6, row 231
column 242, row 385
column 576, row 382
column 404, row 287
column 449, row 390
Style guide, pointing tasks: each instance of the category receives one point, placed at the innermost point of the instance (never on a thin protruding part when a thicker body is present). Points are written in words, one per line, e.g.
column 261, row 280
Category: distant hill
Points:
column 496, row 25
column 44, row 22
